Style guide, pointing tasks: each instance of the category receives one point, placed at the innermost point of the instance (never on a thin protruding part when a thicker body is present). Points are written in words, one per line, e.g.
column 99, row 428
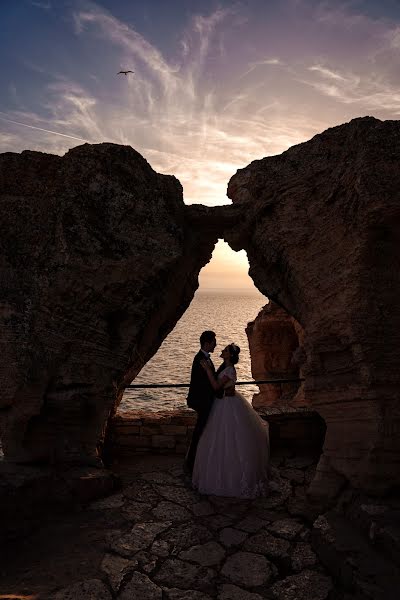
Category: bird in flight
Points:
column 125, row 72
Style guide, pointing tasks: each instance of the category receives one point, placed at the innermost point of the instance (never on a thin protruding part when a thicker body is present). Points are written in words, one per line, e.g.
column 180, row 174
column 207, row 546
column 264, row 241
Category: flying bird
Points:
column 125, row 72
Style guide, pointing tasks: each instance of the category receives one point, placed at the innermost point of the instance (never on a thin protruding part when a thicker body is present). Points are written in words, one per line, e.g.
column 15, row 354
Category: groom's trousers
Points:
column 202, row 417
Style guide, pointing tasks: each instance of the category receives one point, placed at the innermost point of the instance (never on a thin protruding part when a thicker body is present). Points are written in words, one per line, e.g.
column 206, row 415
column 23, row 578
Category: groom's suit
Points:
column 200, row 398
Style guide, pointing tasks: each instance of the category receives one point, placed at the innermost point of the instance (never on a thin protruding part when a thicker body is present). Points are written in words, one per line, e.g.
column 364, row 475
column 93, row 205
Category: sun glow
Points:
column 226, row 270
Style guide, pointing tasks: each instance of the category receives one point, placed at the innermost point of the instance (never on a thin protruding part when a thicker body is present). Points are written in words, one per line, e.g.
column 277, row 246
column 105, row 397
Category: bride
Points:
column 233, row 452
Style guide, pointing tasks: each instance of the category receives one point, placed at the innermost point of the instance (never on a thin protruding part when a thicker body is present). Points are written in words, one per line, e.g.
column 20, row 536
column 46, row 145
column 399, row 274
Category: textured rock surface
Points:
column 321, row 224
column 191, row 561
column 298, row 587
column 275, row 340
column 99, row 259
column 357, row 565
column 141, row 587
column 248, row 569
column 92, row 589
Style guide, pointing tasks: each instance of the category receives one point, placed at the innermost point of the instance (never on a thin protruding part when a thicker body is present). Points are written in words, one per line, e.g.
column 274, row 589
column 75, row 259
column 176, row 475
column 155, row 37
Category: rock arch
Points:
column 100, row 258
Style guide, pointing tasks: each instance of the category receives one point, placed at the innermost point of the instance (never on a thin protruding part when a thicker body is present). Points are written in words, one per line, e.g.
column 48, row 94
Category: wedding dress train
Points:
column 233, row 452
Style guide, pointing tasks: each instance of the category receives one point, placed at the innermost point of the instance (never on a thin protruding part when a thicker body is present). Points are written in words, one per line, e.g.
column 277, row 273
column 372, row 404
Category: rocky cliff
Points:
column 99, row 259
column 321, row 225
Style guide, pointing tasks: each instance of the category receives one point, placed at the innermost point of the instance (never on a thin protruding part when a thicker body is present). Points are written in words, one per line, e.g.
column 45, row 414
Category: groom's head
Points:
column 208, row 341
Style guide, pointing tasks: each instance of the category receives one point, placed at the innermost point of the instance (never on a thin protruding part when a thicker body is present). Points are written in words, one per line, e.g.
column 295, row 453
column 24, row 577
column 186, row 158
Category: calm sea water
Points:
column 227, row 313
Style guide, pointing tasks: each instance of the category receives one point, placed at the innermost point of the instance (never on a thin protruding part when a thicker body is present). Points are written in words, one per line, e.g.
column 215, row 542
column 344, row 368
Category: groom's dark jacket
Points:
column 201, row 393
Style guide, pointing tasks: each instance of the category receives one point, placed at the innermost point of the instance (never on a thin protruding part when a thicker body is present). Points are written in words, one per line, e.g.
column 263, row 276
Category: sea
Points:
column 226, row 312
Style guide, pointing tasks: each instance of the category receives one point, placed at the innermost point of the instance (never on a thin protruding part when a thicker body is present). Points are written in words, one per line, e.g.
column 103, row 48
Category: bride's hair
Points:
column 234, row 351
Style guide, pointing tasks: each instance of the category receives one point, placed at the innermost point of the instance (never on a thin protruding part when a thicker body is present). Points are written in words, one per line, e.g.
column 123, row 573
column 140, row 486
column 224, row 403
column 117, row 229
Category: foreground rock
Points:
column 104, row 550
column 320, row 224
column 303, row 586
column 100, row 258
column 93, row 589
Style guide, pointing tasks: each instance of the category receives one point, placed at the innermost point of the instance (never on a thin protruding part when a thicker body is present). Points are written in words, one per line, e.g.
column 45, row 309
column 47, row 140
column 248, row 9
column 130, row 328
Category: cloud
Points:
column 327, row 72
column 262, row 63
column 209, row 107
column 44, row 130
column 342, row 14
column 43, row 5
column 369, row 91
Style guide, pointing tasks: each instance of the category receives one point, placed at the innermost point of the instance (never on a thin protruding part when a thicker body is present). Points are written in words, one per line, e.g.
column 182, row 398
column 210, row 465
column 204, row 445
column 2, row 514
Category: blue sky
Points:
column 216, row 84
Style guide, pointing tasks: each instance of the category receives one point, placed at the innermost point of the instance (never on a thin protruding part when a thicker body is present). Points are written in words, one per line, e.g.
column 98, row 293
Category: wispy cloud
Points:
column 44, row 130
column 342, row 14
column 327, row 72
column 266, row 62
column 39, row 4
column 369, row 91
column 209, row 108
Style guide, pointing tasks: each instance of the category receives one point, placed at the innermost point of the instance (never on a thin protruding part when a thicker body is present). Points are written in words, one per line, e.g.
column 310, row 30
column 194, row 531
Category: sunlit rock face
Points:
column 321, row 225
column 99, row 260
column 275, row 344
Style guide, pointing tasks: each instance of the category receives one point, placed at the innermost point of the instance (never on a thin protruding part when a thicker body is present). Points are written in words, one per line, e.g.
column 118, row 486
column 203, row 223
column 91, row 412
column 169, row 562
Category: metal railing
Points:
column 139, row 386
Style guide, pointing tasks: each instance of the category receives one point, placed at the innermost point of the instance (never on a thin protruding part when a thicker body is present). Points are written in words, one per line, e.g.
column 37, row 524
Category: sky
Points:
column 215, row 84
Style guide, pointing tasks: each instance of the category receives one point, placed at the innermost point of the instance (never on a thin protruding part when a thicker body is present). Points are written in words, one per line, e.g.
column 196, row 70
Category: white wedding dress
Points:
column 233, row 452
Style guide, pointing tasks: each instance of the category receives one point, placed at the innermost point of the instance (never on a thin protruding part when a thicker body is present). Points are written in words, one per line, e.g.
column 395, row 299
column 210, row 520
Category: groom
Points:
column 201, row 393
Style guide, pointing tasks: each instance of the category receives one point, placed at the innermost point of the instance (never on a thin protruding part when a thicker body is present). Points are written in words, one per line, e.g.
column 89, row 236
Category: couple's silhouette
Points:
column 229, row 451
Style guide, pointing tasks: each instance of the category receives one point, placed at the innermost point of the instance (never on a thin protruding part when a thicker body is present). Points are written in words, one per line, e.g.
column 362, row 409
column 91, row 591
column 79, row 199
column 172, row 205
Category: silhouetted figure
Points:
column 201, row 392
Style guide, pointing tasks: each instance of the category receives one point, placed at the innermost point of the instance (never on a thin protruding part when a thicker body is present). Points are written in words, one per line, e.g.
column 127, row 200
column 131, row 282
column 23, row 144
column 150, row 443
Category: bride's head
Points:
column 231, row 354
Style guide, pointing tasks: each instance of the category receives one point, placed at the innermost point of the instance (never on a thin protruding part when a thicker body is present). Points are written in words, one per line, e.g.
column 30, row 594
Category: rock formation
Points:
column 275, row 343
column 321, row 227
column 99, row 259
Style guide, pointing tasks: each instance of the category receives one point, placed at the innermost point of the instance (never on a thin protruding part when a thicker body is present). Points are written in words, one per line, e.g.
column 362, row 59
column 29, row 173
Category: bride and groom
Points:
column 229, row 451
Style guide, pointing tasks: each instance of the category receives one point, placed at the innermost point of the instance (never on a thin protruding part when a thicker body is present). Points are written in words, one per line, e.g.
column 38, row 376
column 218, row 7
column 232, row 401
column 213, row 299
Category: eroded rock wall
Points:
column 321, row 228
column 99, row 259
column 275, row 344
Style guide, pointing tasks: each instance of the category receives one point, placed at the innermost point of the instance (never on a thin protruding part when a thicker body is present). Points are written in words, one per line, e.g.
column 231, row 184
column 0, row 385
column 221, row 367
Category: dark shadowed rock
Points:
column 180, row 574
column 268, row 545
column 248, row 569
column 230, row 536
column 141, row 537
column 117, row 569
column 348, row 556
column 305, row 585
column 176, row 594
column 303, row 557
column 171, row 511
column 185, row 535
column 286, row 528
column 140, row 586
column 100, row 258
column 233, row 592
column 320, row 226
column 207, row 555
column 92, row 589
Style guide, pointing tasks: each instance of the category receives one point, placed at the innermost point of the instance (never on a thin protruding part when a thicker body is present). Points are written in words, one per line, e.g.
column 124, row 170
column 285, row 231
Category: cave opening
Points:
column 271, row 343
column 225, row 302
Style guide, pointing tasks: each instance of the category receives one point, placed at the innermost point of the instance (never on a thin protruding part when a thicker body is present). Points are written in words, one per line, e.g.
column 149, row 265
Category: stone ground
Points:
column 158, row 539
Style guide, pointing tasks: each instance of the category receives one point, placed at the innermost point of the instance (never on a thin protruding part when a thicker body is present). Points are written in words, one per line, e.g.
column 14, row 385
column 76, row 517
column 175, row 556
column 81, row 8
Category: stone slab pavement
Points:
column 156, row 538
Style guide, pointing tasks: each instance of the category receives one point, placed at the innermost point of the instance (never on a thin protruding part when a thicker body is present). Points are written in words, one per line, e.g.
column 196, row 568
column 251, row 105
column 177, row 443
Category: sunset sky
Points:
column 216, row 84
